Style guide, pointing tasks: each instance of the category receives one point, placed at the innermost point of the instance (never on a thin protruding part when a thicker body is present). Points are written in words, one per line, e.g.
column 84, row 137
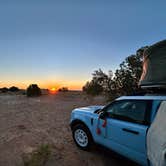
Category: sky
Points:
column 60, row 43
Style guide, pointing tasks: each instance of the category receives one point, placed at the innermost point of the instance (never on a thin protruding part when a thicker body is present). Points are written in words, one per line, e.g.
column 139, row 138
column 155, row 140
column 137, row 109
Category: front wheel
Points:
column 82, row 137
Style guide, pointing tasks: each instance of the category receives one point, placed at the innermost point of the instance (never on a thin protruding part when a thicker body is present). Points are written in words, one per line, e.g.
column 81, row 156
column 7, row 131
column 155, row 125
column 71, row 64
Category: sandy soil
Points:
column 26, row 123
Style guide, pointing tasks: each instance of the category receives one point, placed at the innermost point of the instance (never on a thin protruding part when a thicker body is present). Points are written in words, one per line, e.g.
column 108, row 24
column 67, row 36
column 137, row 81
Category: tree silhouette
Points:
column 4, row 90
column 13, row 89
column 93, row 88
column 123, row 82
column 63, row 89
column 33, row 91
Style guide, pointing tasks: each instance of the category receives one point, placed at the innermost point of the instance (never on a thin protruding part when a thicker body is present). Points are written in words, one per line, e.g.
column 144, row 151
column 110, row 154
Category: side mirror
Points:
column 102, row 115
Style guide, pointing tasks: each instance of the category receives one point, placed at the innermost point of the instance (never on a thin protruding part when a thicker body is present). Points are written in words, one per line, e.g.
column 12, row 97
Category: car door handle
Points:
column 130, row 131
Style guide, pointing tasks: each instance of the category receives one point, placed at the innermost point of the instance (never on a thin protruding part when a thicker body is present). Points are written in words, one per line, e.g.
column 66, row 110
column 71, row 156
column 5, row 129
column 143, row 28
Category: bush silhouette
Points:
column 63, row 89
column 4, row 90
column 33, row 90
column 13, row 89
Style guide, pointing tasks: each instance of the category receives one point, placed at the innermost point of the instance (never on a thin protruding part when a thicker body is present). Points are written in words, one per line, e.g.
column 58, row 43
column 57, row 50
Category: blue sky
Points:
column 62, row 42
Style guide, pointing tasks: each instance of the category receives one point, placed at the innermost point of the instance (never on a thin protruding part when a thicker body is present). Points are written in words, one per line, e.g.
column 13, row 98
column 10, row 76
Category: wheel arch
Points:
column 78, row 121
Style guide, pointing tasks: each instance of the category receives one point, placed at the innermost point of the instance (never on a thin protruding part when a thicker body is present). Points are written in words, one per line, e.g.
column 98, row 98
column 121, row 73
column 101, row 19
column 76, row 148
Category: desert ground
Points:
column 26, row 123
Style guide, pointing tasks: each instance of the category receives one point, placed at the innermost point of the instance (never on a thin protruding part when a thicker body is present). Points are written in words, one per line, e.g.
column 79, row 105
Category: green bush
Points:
column 33, row 90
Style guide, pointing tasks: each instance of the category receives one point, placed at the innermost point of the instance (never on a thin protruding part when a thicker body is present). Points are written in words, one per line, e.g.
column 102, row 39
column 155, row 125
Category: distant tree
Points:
column 33, row 91
column 123, row 82
column 13, row 89
column 63, row 89
column 4, row 90
column 93, row 88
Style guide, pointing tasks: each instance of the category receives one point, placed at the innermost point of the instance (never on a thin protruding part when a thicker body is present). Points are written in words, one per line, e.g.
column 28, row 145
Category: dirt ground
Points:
column 26, row 123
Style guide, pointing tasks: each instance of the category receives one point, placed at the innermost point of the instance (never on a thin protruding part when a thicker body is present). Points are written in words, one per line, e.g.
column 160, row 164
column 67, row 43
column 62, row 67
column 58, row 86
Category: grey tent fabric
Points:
column 154, row 66
column 156, row 138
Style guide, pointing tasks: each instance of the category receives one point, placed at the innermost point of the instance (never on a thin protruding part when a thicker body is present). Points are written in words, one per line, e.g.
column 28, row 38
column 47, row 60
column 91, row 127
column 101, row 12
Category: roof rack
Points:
column 150, row 92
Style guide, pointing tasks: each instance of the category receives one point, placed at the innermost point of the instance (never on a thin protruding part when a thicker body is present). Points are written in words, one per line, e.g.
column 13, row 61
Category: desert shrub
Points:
column 33, row 90
column 13, row 89
column 39, row 157
column 93, row 88
column 4, row 90
column 63, row 89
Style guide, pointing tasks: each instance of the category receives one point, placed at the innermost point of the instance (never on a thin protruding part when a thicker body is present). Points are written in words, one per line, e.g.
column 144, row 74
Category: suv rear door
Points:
column 127, row 124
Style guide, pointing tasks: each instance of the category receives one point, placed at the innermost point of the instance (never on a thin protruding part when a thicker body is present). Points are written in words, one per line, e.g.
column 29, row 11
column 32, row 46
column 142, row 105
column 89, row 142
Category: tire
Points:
column 82, row 137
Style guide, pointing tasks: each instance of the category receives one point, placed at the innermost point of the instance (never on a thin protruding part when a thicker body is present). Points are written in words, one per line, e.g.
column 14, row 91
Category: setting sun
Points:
column 53, row 90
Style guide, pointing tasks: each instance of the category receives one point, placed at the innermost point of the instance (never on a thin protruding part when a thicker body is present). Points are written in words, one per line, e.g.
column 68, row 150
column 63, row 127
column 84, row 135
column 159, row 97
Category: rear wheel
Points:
column 82, row 136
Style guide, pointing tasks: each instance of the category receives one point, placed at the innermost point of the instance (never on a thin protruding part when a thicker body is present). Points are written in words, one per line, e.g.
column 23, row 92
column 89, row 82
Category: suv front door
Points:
column 127, row 124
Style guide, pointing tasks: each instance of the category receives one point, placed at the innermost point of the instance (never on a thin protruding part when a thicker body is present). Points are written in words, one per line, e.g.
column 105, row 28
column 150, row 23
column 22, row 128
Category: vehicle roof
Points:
column 146, row 97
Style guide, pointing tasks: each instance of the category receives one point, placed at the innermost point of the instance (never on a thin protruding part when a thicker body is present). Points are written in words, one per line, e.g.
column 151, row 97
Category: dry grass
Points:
column 39, row 157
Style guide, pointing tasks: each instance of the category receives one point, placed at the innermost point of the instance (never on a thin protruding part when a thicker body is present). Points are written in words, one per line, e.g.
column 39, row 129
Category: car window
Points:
column 128, row 110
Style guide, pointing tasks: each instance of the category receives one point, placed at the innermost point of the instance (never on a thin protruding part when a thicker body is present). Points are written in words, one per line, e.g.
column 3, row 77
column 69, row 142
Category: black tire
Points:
column 84, row 145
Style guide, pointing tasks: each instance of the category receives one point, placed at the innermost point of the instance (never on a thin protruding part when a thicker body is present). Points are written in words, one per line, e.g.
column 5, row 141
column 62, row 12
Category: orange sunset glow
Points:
column 45, row 84
column 53, row 90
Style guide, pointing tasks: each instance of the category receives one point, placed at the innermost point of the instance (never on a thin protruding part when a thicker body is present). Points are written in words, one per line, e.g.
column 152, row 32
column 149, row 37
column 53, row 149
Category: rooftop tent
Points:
column 154, row 66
